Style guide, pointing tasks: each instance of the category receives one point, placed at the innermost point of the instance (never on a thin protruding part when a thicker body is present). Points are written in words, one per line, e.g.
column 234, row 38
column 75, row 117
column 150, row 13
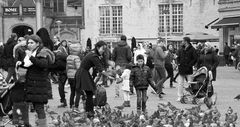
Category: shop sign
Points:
column 10, row 11
column 29, row 10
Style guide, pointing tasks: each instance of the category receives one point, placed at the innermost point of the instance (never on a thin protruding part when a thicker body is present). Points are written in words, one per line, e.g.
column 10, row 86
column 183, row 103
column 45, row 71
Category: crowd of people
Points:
column 46, row 61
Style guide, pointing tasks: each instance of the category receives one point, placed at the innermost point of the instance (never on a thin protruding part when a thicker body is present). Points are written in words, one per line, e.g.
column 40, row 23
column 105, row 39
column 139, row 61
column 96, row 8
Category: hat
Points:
column 35, row 38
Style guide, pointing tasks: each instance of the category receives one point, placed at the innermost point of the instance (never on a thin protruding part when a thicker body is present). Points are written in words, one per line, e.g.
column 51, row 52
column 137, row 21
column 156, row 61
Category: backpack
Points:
column 100, row 97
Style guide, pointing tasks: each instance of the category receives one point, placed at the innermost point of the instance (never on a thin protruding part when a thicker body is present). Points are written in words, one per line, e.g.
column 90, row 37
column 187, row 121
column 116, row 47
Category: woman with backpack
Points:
column 84, row 80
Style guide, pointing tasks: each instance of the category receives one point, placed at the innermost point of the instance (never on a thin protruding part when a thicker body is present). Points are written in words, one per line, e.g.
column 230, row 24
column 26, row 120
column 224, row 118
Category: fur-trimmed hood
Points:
column 47, row 53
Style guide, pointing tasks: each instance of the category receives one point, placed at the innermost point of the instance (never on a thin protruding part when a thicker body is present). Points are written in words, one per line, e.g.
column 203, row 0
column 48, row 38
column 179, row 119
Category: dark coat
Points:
column 8, row 53
column 226, row 50
column 187, row 58
column 208, row 59
column 84, row 80
column 122, row 53
column 141, row 77
column 37, row 79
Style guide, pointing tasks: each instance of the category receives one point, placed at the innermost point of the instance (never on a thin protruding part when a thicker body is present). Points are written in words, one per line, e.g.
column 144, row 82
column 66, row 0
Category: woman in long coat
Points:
column 209, row 59
column 37, row 61
column 84, row 80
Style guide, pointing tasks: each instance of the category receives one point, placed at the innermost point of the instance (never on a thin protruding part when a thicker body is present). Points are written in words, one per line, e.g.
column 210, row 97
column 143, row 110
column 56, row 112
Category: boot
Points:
column 42, row 122
column 63, row 105
column 127, row 104
column 124, row 104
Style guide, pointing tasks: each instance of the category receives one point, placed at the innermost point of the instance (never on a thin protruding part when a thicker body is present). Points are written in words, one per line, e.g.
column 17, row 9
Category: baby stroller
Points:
column 5, row 98
column 199, row 87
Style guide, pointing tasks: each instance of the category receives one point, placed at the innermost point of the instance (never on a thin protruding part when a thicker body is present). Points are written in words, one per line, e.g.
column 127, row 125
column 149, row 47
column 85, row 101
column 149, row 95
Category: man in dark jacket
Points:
column 8, row 56
column 187, row 57
column 122, row 53
column 226, row 52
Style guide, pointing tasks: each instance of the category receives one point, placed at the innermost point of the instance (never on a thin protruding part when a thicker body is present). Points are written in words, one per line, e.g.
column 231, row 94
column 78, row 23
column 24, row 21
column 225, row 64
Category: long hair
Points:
column 46, row 40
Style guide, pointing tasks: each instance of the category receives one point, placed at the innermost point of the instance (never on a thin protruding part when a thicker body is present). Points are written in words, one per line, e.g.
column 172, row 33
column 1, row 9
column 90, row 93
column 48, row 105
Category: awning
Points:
column 231, row 22
column 200, row 36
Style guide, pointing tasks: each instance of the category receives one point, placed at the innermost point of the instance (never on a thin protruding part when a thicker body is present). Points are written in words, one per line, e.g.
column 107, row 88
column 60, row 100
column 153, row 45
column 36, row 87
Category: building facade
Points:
column 146, row 20
column 60, row 17
column 229, row 22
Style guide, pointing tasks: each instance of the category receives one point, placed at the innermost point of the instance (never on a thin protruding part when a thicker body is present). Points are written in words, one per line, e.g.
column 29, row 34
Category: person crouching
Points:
column 141, row 77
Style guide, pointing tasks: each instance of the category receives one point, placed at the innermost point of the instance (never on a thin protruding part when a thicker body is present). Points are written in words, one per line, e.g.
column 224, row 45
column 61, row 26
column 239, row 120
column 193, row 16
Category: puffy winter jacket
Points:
column 73, row 63
column 141, row 77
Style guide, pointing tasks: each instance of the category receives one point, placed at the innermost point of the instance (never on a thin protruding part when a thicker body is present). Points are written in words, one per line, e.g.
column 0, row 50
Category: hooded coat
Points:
column 122, row 53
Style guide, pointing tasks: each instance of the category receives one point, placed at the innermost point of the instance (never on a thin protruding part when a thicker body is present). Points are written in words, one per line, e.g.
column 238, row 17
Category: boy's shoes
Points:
column 121, row 107
column 127, row 104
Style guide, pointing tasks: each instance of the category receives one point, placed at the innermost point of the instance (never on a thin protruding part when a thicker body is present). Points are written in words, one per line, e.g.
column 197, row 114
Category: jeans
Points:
column 39, row 108
column 162, row 77
column 169, row 69
column 11, row 73
column 141, row 99
column 62, row 80
column 89, row 101
column 181, row 84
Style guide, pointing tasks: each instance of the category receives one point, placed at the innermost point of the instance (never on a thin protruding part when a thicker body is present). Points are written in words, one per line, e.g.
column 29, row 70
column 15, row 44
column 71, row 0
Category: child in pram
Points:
column 200, row 89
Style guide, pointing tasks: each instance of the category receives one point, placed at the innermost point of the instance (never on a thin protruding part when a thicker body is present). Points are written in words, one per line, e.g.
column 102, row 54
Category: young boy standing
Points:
column 141, row 77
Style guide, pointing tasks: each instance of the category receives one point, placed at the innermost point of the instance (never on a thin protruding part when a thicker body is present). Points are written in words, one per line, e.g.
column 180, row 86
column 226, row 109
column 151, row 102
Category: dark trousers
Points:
column 169, row 69
column 236, row 62
column 162, row 77
column 62, row 80
column 11, row 73
column 39, row 107
column 89, row 101
column 72, row 83
column 141, row 99
column 226, row 57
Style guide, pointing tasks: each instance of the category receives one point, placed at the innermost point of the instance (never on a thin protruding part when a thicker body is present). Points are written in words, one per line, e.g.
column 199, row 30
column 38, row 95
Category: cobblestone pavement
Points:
column 227, row 87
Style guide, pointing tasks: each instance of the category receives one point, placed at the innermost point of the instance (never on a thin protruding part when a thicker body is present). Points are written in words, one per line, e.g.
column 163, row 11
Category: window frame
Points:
column 174, row 18
column 111, row 20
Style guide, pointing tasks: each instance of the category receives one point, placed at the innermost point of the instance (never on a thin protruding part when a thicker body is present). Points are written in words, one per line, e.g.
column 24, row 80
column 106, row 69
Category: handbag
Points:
column 21, row 74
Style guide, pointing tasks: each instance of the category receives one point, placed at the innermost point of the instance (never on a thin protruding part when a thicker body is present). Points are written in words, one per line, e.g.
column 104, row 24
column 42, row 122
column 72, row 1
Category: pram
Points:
column 10, row 101
column 5, row 100
column 199, row 87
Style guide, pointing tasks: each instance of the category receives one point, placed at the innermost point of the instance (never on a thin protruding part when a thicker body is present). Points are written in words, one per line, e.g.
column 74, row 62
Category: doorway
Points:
column 22, row 30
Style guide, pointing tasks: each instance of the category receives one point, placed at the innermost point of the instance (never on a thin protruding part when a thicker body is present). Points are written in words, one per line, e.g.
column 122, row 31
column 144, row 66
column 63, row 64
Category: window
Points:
column 175, row 15
column 110, row 20
column 58, row 6
column 163, row 10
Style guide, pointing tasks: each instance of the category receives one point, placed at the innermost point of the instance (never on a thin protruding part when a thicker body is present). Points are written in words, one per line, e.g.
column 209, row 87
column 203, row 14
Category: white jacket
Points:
column 126, row 76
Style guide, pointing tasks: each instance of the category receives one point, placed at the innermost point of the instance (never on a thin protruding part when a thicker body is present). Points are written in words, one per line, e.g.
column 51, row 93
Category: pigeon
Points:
column 237, row 97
